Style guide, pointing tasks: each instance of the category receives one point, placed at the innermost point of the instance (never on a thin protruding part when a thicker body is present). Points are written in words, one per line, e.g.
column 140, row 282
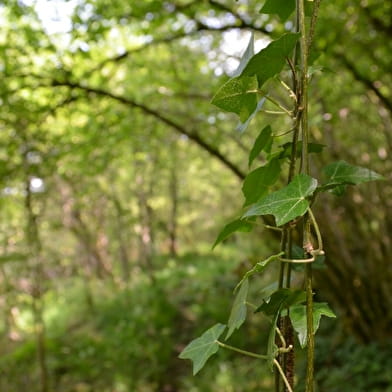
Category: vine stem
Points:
column 276, row 103
column 284, row 378
column 244, row 352
column 259, row 356
column 304, row 48
column 317, row 229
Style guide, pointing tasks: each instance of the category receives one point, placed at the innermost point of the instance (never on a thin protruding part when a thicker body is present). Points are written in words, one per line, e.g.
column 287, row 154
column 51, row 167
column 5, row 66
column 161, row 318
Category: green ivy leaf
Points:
column 232, row 227
column 239, row 309
column 279, row 300
column 238, row 95
column 242, row 126
column 271, row 60
column 202, row 348
column 342, row 173
column 298, row 319
column 260, row 143
column 258, row 268
column 287, row 203
column 282, row 8
column 258, row 181
column 248, row 54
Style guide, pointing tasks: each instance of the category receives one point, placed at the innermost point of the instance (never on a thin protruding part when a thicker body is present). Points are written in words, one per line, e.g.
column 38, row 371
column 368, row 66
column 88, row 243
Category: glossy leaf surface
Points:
column 287, row 203
column 341, row 172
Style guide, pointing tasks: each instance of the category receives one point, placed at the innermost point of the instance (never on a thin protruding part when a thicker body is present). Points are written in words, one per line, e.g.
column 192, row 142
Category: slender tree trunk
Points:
column 173, row 185
column 34, row 245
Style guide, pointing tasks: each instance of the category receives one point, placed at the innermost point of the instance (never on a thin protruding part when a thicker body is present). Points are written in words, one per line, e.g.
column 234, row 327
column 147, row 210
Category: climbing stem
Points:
column 244, row 352
column 307, row 244
column 310, row 330
column 284, row 378
column 304, row 87
column 277, row 103
column 317, row 230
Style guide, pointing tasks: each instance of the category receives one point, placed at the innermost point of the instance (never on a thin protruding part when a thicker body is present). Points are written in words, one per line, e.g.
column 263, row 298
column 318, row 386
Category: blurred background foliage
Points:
column 116, row 174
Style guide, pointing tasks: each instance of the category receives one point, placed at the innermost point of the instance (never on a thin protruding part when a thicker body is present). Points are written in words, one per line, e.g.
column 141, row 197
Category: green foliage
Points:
column 239, row 309
column 288, row 147
column 271, row 60
column 342, row 173
column 242, row 126
column 288, row 203
column 247, row 55
column 279, row 300
column 346, row 365
column 232, row 227
column 238, row 95
column 202, row 348
column 86, row 112
column 258, row 181
column 261, row 144
column 258, row 268
column 282, row 8
column 298, row 319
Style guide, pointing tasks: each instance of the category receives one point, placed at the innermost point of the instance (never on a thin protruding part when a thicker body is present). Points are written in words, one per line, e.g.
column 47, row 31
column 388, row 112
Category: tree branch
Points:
column 364, row 80
column 195, row 137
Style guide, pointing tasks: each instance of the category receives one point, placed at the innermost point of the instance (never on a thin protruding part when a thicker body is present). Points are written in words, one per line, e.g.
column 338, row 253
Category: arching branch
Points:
column 195, row 137
column 365, row 81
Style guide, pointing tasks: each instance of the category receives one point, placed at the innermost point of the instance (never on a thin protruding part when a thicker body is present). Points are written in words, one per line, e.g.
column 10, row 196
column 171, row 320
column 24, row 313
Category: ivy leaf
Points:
column 271, row 60
column 261, row 142
column 256, row 183
column 279, row 300
column 202, row 348
column 248, row 54
column 342, row 173
column 242, row 126
column 238, row 311
column 258, row 268
column 298, row 319
column 287, row 203
column 282, row 8
column 232, row 227
column 238, row 95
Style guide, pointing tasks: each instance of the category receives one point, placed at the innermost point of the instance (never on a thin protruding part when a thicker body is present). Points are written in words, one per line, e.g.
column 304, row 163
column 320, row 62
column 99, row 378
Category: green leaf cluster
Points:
column 239, row 94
